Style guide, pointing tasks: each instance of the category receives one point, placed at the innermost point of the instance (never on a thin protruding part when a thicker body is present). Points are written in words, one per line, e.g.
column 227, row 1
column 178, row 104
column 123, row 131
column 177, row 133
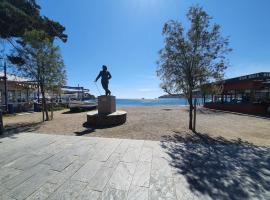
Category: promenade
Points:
column 42, row 166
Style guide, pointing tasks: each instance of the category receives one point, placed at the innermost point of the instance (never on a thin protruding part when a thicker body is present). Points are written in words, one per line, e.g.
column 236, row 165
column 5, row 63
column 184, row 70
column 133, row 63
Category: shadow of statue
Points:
column 90, row 129
column 220, row 168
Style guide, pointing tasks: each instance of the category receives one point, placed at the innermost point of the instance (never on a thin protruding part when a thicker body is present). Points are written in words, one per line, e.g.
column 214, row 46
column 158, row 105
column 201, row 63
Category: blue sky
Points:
column 126, row 36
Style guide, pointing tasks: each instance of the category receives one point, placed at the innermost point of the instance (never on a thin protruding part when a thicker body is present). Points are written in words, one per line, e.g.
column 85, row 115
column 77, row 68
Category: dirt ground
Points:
column 151, row 123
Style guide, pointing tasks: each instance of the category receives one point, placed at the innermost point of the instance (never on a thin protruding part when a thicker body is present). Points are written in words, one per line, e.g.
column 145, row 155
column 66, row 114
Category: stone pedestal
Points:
column 116, row 118
column 106, row 115
column 106, row 105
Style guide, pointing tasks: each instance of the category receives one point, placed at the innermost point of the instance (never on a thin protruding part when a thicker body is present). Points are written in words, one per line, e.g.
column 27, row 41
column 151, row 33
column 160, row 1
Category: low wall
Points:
column 255, row 109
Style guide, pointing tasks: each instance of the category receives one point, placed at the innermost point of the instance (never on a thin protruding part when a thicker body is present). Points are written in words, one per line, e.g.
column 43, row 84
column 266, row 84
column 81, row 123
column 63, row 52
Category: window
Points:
column 24, row 96
column 11, row 96
column 19, row 96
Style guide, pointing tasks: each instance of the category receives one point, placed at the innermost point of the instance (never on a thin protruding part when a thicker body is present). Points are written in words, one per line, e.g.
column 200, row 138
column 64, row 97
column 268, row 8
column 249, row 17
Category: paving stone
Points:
column 146, row 154
column 142, row 174
column 3, row 190
column 122, row 176
column 104, row 153
column 99, row 181
column 28, row 161
column 8, row 173
column 137, row 193
column 17, row 180
column 29, row 186
column 87, row 172
column 113, row 194
column 122, row 147
column 136, row 144
column 43, row 192
column 182, row 189
column 113, row 160
column 160, row 166
column 132, row 155
column 61, row 163
column 162, row 187
column 56, row 147
column 66, row 174
column 89, row 194
column 5, row 197
column 69, row 190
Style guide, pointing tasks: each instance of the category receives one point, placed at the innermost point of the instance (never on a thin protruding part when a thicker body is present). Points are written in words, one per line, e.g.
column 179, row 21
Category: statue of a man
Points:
column 105, row 77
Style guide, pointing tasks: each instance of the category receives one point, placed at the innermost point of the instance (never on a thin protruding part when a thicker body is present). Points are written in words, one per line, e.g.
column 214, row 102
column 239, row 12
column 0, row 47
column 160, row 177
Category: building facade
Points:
column 246, row 94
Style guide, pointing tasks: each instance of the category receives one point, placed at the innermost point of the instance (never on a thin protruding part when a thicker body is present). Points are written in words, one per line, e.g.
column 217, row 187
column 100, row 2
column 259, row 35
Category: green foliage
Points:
column 191, row 59
column 19, row 16
column 41, row 61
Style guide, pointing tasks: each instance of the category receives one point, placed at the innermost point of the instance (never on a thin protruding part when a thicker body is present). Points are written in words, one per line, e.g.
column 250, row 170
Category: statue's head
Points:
column 104, row 67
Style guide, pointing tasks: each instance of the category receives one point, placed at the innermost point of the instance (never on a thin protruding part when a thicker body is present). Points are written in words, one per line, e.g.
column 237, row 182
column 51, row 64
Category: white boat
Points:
column 82, row 105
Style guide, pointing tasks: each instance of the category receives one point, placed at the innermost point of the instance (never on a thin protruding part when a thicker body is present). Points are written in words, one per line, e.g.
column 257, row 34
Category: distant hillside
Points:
column 172, row 96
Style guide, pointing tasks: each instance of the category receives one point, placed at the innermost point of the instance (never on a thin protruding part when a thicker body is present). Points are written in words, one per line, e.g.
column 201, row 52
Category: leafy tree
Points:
column 40, row 60
column 193, row 58
column 19, row 16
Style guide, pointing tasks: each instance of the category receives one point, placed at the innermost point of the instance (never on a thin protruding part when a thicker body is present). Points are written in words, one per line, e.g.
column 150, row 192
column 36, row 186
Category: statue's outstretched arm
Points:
column 98, row 76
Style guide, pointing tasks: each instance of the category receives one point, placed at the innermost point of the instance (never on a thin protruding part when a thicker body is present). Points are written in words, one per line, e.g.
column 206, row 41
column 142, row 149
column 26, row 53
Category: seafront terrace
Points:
column 42, row 166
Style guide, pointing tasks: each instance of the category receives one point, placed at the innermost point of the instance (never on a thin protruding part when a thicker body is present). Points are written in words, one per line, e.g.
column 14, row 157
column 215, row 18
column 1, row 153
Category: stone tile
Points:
column 161, row 166
column 28, row 161
column 3, row 190
column 113, row 194
column 43, row 192
column 151, row 144
column 101, row 178
column 136, row 143
column 61, row 163
column 113, row 160
column 162, row 187
column 122, row 176
column 146, row 154
column 132, row 155
column 8, row 173
column 104, row 153
column 182, row 189
column 137, row 193
column 89, row 194
column 22, row 177
column 5, row 197
column 69, row 190
column 66, row 174
column 122, row 147
column 29, row 186
column 142, row 174
column 87, row 172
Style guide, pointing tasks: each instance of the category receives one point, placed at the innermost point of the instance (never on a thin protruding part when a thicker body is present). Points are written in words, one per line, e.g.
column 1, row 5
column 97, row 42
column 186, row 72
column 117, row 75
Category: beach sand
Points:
column 152, row 123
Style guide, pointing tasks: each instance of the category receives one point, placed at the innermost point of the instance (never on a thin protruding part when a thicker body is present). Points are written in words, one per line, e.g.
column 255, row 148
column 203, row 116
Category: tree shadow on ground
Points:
column 13, row 129
column 91, row 129
column 220, row 168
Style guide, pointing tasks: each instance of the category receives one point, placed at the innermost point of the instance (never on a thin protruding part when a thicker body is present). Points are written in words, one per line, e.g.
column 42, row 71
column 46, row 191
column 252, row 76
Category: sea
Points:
column 153, row 102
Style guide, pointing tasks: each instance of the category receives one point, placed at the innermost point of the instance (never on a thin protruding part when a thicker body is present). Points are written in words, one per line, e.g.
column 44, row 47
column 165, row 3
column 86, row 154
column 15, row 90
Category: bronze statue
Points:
column 105, row 77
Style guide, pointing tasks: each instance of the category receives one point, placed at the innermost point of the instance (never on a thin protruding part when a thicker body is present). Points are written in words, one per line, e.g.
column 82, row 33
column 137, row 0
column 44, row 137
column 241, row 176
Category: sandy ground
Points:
column 151, row 123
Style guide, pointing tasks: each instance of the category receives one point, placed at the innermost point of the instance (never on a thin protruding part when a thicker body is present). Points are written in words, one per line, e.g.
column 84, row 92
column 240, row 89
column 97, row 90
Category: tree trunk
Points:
column 190, row 110
column 44, row 103
column 194, row 120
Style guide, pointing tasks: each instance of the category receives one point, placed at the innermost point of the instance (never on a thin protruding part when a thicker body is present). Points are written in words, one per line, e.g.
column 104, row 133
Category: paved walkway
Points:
column 40, row 166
